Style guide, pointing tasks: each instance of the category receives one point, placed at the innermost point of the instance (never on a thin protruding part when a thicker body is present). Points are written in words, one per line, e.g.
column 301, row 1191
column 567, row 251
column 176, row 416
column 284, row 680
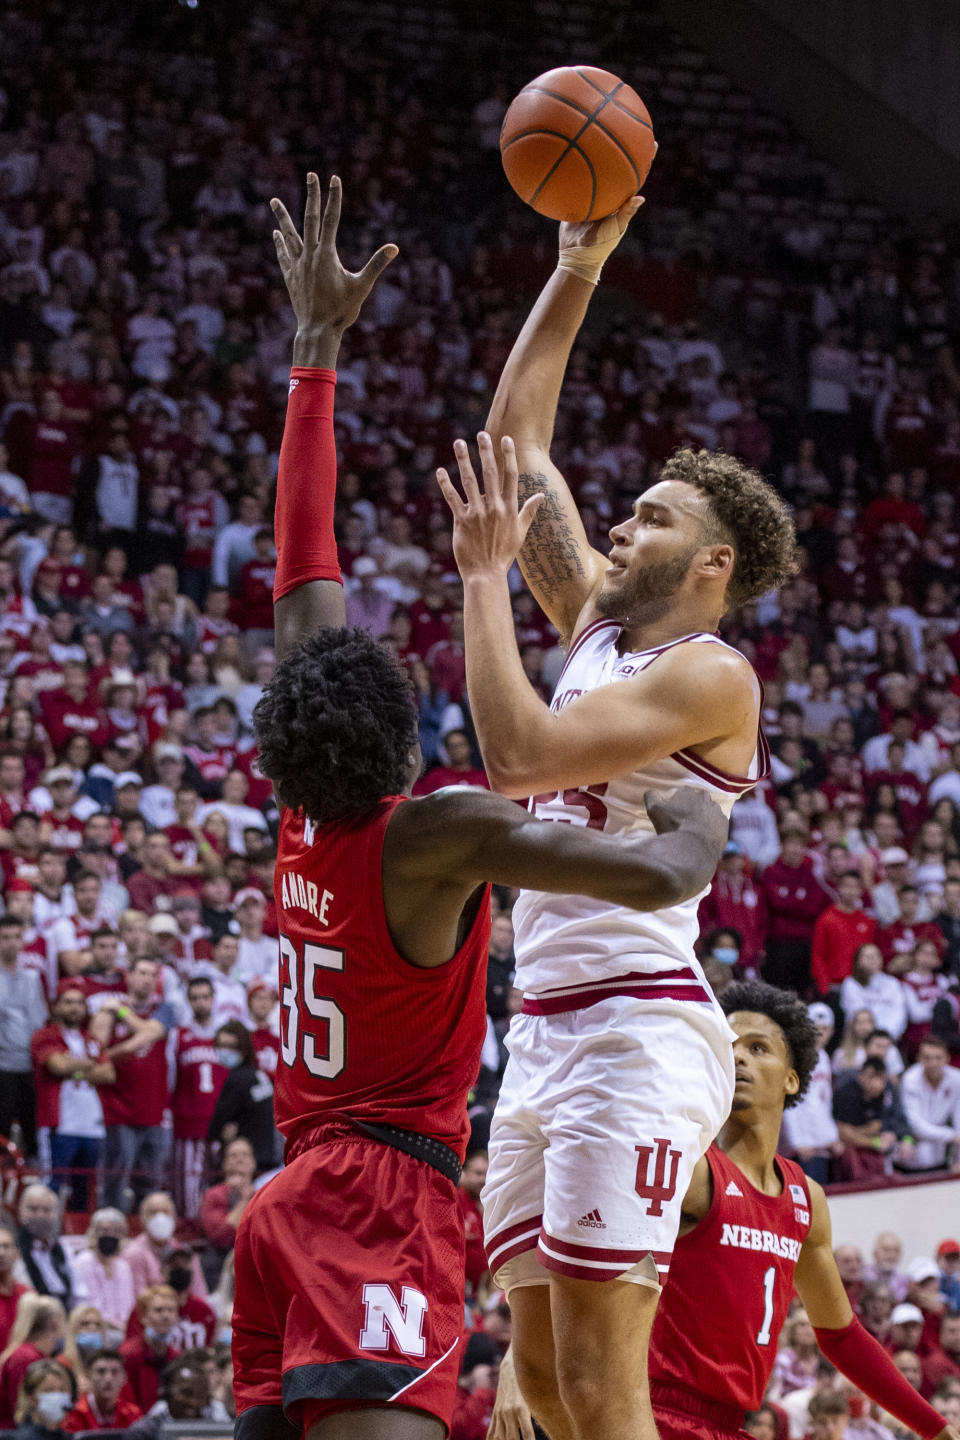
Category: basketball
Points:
column 576, row 143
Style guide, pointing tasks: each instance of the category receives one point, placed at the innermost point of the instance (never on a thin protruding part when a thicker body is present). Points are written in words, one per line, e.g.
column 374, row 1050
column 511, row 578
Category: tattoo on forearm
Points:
column 550, row 554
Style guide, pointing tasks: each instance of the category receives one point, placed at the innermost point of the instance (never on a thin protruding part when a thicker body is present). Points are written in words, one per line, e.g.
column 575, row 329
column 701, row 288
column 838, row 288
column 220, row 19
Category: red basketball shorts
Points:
column 349, row 1271
column 686, row 1424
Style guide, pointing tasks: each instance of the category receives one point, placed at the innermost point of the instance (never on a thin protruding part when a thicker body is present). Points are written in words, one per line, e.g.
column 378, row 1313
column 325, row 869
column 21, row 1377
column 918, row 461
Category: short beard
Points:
column 651, row 594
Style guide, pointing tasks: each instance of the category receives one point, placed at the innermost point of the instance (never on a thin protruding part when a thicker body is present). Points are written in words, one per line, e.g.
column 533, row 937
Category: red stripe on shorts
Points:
column 580, row 1000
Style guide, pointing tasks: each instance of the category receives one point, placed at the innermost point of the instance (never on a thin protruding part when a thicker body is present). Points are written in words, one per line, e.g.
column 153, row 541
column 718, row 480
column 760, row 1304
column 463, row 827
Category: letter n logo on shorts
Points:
column 659, row 1186
column 403, row 1318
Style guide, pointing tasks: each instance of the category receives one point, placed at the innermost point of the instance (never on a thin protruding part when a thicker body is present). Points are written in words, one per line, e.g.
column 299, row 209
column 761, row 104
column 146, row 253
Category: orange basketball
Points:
column 576, row 143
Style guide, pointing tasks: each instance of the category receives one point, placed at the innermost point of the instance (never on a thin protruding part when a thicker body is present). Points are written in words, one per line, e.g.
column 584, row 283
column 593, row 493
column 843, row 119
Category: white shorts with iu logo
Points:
column 602, row 1116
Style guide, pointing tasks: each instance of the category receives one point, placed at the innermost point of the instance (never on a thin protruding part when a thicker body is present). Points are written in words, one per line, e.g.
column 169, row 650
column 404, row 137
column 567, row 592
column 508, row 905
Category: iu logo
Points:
column 403, row 1318
column 661, row 1185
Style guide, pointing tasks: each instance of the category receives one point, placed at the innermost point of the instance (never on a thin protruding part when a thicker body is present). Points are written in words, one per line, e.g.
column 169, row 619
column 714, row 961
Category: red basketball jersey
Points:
column 199, row 1080
column 730, row 1286
column 363, row 1033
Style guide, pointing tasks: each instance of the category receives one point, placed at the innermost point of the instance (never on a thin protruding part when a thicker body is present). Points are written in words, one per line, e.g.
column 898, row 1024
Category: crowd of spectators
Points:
column 144, row 349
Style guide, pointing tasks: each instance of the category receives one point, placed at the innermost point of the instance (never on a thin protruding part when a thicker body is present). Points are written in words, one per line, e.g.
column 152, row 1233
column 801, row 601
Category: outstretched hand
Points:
column 488, row 528
column 324, row 295
column 586, row 244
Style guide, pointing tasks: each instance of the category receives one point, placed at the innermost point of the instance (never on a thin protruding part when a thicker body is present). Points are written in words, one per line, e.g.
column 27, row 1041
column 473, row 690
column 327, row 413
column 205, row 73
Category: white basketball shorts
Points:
column 602, row 1116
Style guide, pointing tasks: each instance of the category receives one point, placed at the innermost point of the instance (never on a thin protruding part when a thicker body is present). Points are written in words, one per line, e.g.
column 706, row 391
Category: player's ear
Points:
column 718, row 562
column 792, row 1082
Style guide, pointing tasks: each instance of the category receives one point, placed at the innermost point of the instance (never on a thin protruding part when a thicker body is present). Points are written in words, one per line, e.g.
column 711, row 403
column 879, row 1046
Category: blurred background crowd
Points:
column 757, row 306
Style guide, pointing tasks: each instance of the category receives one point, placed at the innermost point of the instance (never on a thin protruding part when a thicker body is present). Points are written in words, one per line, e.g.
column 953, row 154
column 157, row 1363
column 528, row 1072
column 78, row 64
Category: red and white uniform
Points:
column 592, row 1144
column 210, row 630
column 37, row 956
column 214, row 764
column 199, row 517
column 349, row 1264
column 197, row 1082
column 731, row 1282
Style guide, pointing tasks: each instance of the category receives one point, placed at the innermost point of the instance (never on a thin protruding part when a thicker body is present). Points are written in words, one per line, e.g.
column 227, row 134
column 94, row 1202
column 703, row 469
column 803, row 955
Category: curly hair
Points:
column 335, row 725
column 785, row 1009
column 747, row 513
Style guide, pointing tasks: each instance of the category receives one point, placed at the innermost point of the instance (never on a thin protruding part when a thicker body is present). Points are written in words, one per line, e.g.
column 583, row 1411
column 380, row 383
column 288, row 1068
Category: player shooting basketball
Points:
column 349, row 1265
column 753, row 1227
column 620, row 1070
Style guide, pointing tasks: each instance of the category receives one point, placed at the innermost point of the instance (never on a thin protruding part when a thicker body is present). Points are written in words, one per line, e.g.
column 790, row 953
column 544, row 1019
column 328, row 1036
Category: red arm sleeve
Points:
column 860, row 1357
column 306, row 484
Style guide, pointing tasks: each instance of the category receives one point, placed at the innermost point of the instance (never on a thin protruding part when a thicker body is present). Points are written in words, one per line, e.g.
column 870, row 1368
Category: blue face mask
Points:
column 726, row 954
column 152, row 1334
column 226, row 1335
column 229, row 1059
column 90, row 1341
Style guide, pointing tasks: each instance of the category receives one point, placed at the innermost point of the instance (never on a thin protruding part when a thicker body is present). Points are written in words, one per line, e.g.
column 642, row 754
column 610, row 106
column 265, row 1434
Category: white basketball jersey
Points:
column 566, row 944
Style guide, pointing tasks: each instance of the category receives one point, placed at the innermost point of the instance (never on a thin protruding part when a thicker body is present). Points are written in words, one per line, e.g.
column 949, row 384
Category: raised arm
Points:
column 557, row 561
column 844, row 1341
column 527, row 749
column 326, row 299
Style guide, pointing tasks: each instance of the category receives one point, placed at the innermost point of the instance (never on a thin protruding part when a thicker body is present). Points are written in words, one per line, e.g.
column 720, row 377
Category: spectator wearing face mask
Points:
column 45, row 1262
column 47, row 1393
column 103, row 1271
column 87, row 1334
column 146, row 1254
column 148, row 1355
column 104, row 1406
column 37, row 1335
column 244, row 1109
column 196, row 1323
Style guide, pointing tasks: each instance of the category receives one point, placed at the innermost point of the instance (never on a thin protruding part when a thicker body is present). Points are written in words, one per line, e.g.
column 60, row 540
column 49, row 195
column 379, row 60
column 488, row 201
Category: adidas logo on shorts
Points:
column 733, row 1189
column 593, row 1221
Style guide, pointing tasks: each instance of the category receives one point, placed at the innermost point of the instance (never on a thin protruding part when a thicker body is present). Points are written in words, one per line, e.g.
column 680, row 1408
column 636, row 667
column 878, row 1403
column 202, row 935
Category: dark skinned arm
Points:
column 326, row 300
column 438, row 850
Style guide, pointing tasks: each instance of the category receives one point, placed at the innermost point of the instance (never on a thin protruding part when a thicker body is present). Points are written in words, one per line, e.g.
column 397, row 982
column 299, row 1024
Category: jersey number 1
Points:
column 769, row 1280
column 299, row 1003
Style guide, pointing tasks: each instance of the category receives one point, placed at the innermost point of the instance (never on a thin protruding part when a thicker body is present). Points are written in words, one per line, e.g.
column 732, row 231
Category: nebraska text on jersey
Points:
column 744, row 1237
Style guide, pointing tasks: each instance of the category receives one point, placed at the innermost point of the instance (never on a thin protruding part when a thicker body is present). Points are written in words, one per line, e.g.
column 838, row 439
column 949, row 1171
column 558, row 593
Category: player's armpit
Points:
column 692, row 695
column 561, row 568
column 699, row 1196
column 467, row 836
column 817, row 1278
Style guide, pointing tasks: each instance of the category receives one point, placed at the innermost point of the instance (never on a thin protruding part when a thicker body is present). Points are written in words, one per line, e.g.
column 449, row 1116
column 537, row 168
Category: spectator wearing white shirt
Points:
column 753, row 825
column 868, row 988
column 257, row 953
column 154, row 337
column 229, row 993
column 158, row 803
column 13, row 490
column 118, row 486
column 947, row 783
column 930, row 1092
column 885, row 896
column 239, row 817
column 234, row 546
column 809, row 1126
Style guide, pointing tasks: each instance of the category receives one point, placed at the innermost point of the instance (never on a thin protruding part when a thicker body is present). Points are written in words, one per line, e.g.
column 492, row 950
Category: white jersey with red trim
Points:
column 567, row 945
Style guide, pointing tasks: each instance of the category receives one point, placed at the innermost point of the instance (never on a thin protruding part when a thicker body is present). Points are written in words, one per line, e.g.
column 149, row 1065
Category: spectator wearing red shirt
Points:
column 460, row 770
column 201, row 515
column 196, row 1323
column 468, row 1197
column 446, row 660
column 736, row 903
column 254, row 605
column 261, row 1003
column 794, row 899
column 838, row 934
column 104, row 1406
column 148, row 1356
column 943, row 1363
column 904, row 935
column 70, row 710
column 211, row 761
column 136, row 1147
column 10, row 1289
column 198, row 1080
column 154, row 880
column 46, row 1332
column 54, row 448
column 430, row 615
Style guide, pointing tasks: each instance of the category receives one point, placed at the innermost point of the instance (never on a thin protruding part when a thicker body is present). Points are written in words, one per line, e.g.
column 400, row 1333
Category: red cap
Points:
column 257, row 985
column 71, row 984
column 20, row 885
column 948, row 1247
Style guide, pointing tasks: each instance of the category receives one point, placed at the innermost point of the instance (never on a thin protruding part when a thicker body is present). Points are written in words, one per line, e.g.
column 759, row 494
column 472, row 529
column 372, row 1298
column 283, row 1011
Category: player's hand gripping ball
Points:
column 576, row 143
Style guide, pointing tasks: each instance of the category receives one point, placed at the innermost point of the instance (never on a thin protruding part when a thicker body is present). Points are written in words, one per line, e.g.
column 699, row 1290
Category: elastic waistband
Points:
column 687, row 1402
column 420, row 1147
column 684, row 984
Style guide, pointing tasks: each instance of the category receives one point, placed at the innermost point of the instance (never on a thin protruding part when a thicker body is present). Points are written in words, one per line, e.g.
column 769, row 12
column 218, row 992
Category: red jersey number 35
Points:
column 313, row 1028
